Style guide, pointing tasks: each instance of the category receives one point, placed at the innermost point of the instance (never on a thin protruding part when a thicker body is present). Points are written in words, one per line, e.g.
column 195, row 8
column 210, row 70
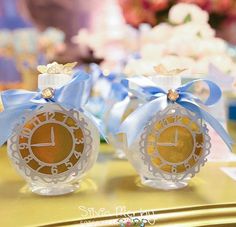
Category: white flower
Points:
column 182, row 46
column 140, row 67
column 146, row 67
column 172, row 62
column 223, row 62
column 152, row 51
column 159, row 33
column 212, row 46
column 179, row 12
column 183, row 40
column 193, row 29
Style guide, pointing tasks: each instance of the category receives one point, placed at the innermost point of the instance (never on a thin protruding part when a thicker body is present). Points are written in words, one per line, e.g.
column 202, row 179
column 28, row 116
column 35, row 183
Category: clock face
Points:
column 52, row 143
column 174, row 143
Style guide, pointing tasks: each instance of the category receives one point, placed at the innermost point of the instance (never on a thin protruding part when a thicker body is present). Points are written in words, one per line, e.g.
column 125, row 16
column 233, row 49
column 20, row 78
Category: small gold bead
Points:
column 172, row 95
column 48, row 93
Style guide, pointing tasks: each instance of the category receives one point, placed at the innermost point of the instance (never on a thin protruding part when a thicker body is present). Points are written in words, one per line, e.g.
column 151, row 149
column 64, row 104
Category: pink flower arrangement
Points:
column 140, row 11
column 155, row 11
column 186, row 41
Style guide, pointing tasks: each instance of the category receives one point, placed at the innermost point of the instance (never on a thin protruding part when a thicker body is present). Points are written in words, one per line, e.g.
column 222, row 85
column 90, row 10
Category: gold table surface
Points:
column 112, row 190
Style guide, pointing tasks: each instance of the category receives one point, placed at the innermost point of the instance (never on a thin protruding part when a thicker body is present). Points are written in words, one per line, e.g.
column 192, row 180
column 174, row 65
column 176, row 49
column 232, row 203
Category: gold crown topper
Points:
column 162, row 70
column 55, row 68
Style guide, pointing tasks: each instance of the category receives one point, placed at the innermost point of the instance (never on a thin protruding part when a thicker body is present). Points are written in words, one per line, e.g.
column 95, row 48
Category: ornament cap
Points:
column 54, row 75
column 167, row 79
column 52, row 80
column 167, row 82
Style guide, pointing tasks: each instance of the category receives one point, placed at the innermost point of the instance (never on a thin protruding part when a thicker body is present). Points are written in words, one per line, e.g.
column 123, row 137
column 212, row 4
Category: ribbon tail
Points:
column 135, row 122
column 75, row 93
column 97, row 122
column 116, row 114
column 209, row 119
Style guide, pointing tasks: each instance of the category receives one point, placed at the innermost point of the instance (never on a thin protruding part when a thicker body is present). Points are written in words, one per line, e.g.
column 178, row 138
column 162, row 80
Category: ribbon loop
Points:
column 215, row 92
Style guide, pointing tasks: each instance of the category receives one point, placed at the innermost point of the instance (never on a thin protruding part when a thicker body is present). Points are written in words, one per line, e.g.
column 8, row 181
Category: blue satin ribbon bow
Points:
column 17, row 102
column 157, row 100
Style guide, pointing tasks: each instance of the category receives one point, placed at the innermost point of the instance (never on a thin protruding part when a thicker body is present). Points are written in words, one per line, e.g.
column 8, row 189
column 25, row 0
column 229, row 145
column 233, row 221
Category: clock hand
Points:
column 41, row 145
column 176, row 137
column 170, row 144
column 52, row 137
column 52, row 143
column 166, row 144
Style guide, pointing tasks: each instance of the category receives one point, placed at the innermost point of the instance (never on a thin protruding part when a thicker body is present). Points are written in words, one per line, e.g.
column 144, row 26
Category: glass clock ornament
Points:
column 167, row 137
column 174, row 145
column 53, row 146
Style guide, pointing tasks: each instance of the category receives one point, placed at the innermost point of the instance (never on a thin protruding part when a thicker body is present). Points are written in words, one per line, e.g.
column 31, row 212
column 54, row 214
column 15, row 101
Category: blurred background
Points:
column 104, row 32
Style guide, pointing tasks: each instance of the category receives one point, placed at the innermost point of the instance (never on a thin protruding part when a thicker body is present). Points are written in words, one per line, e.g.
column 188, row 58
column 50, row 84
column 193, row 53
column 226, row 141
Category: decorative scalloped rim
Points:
column 175, row 177
column 33, row 175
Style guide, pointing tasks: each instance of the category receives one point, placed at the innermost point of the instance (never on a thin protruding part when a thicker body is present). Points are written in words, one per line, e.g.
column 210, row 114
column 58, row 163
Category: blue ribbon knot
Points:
column 16, row 102
column 156, row 99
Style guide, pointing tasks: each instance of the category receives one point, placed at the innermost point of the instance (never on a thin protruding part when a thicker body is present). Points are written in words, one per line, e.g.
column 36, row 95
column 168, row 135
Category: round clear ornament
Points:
column 53, row 148
column 170, row 149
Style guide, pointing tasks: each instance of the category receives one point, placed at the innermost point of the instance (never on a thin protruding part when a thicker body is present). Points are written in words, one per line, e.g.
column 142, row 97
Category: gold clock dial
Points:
column 53, row 151
column 175, row 144
column 179, row 148
column 51, row 143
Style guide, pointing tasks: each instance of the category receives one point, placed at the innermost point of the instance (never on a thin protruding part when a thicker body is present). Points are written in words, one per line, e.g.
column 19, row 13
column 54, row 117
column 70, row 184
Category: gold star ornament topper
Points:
column 162, row 70
column 55, row 68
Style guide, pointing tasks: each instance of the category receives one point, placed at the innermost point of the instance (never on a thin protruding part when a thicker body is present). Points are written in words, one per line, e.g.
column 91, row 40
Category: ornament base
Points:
column 54, row 190
column 160, row 183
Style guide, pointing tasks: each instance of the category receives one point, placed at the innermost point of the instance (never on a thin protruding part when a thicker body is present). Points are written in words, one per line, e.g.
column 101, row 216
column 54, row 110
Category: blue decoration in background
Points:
column 8, row 71
column 98, row 103
column 10, row 17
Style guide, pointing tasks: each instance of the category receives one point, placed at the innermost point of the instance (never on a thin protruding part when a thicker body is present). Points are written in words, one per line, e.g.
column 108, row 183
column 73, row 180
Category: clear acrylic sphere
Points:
column 170, row 149
column 52, row 148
